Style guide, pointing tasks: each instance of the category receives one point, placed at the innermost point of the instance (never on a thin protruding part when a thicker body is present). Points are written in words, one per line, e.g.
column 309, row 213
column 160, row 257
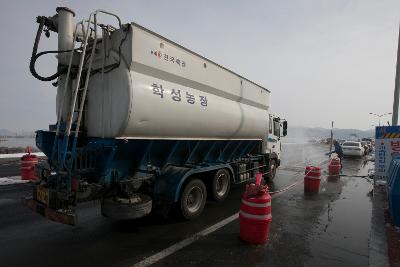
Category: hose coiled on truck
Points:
column 61, row 69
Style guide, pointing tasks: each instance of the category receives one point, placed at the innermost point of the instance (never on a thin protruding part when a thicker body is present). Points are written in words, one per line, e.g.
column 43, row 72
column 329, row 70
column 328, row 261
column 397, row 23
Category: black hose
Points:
column 43, row 21
column 35, row 56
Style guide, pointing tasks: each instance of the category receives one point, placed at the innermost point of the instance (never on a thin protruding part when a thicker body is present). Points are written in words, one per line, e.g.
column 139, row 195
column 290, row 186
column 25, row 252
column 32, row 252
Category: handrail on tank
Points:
column 94, row 14
column 88, row 75
column 74, row 98
column 80, row 23
column 104, row 12
column 69, row 66
column 86, row 33
column 111, row 14
column 75, row 90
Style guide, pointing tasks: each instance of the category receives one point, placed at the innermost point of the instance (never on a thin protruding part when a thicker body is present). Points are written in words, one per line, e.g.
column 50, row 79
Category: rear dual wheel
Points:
column 194, row 194
column 193, row 199
column 221, row 184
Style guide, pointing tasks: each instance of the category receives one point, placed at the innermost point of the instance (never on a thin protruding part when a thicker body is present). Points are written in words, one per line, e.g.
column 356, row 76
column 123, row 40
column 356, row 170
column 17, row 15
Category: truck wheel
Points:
column 272, row 169
column 193, row 199
column 221, row 185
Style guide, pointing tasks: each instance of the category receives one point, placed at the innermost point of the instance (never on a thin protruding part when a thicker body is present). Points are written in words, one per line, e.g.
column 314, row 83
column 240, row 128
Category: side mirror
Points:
column 284, row 124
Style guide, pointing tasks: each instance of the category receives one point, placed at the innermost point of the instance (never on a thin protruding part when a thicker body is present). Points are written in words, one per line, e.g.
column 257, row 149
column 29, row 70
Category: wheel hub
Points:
column 194, row 199
column 222, row 185
column 272, row 171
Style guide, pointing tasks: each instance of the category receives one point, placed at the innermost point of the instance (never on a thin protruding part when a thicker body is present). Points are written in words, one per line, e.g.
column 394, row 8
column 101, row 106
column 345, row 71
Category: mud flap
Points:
column 65, row 217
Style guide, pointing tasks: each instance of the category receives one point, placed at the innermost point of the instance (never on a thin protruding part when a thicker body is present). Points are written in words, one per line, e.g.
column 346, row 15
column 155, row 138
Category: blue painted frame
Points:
column 171, row 161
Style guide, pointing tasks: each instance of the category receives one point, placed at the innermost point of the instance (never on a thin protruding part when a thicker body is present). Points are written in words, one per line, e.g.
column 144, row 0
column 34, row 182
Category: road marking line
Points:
column 184, row 243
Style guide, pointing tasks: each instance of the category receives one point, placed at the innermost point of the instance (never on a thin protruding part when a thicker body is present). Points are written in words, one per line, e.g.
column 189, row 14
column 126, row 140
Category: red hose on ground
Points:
column 302, row 180
column 286, row 188
column 291, row 185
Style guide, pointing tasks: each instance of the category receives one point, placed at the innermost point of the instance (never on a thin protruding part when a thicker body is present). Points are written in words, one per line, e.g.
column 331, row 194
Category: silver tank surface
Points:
column 162, row 90
column 65, row 30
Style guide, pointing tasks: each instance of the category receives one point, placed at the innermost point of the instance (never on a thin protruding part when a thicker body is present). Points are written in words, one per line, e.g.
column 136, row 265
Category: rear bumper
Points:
column 355, row 153
column 59, row 216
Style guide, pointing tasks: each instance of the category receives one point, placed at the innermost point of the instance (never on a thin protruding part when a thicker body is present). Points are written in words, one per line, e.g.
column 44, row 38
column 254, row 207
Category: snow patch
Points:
column 12, row 180
column 18, row 155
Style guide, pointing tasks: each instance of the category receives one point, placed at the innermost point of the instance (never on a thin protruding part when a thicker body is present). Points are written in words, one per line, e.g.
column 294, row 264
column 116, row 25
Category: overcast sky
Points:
column 322, row 60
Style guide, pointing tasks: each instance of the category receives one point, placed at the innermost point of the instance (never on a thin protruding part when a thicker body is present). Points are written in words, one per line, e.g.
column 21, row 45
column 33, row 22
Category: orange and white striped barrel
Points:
column 28, row 164
column 255, row 217
column 334, row 166
column 312, row 179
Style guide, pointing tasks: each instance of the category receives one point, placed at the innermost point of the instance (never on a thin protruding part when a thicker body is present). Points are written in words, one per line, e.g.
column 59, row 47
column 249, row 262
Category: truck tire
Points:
column 126, row 208
column 193, row 199
column 272, row 169
column 221, row 184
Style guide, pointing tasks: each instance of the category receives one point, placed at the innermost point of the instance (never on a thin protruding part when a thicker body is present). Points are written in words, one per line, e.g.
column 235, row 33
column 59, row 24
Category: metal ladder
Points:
column 64, row 165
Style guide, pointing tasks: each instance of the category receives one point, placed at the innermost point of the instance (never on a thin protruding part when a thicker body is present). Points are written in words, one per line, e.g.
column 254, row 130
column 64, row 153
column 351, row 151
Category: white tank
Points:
column 163, row 91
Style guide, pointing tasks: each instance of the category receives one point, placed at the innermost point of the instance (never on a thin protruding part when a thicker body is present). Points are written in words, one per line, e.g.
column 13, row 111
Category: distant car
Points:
column 352, row 148
column 370, row 142
column 366, row 147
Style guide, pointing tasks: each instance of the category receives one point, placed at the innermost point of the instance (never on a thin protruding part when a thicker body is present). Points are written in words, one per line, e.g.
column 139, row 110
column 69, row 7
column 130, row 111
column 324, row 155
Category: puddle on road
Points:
column 342, row 233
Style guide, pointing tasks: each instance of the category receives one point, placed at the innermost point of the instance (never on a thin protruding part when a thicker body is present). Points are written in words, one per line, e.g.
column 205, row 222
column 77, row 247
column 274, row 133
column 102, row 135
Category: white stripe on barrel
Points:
column 254, row 216
column 257, row 205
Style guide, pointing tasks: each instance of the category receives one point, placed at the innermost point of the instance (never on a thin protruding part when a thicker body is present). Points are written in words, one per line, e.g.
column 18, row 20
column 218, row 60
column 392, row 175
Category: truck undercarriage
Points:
column 139, row 173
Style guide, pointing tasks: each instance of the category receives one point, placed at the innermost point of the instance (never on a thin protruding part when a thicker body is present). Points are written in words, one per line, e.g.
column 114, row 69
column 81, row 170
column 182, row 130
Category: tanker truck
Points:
column 144, row 124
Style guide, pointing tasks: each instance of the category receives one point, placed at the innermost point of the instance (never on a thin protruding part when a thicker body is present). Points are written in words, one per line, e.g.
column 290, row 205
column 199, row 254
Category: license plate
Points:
column 42, row 195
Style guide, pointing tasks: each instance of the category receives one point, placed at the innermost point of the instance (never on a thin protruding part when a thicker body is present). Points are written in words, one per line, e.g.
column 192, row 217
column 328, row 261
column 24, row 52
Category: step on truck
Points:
column 144, row 124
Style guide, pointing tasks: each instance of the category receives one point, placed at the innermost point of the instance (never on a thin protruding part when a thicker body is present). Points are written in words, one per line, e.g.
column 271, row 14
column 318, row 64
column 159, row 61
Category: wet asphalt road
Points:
column 327, row 229
column 9, row 167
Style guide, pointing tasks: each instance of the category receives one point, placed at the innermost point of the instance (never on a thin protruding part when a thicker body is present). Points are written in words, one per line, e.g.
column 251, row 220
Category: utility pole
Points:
column 330, row 147
column 396, row 87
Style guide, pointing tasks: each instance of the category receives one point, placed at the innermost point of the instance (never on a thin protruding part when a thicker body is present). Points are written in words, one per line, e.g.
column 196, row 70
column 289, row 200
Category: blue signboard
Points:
column 387, row 146
column 384, row 132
